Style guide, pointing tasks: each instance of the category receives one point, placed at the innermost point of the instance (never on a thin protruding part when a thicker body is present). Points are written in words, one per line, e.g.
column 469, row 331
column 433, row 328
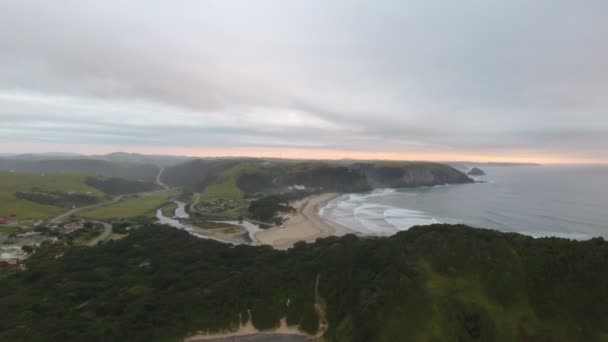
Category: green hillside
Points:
column 12, row 183
column 129, row 207
column 433, row 283
column 233, row 178
column 225, row 186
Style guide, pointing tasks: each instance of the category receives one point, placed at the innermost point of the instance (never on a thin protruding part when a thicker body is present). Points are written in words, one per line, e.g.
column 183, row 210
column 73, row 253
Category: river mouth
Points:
column 181, row 213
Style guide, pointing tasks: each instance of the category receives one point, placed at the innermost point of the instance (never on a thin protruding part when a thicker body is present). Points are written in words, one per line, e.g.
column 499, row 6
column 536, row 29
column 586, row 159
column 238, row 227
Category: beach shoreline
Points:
column 304, row 225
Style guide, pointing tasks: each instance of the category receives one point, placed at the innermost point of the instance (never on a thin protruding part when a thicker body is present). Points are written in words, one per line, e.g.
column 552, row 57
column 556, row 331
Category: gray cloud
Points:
column 477, row 77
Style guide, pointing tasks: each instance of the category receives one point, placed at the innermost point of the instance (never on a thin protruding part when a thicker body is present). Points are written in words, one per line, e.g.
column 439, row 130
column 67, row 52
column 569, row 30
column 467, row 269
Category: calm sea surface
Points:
column 569, row 202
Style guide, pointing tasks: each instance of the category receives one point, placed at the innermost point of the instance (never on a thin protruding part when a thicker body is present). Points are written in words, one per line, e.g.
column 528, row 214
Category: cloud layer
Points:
column 489, row 78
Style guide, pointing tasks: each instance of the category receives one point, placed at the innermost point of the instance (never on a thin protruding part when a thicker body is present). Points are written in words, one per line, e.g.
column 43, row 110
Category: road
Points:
column 107, row 231
column 57, row 219
column 158, row 177
column 107, row 228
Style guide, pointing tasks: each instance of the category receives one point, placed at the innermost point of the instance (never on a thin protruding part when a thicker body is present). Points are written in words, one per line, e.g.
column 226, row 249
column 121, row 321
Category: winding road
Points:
column 107, row 228
column 107, row 231
column 57, row 219
column 158, row 178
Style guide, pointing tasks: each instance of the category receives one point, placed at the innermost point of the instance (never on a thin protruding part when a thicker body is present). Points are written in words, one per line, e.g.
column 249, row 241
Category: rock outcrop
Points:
column 476, row 172
column 409, row 175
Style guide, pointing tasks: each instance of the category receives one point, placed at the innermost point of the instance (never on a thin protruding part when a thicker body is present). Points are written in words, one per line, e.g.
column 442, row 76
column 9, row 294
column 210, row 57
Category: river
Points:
column 181, row 213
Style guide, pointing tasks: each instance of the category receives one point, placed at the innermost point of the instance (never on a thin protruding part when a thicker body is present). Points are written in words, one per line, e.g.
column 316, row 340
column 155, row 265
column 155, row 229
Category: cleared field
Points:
column 12, row 182
column 145, row 205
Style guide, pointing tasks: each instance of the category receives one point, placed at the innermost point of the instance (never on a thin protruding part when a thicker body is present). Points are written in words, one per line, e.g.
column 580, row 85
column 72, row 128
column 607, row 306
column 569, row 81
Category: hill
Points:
column 132, row 171
column 196, row 174
column 37, row 196
column 137, row 158
column 250, row 176
column 34, row 196
column 434, row 283
column 119, row 186
column 410, row 174
column 227, row 185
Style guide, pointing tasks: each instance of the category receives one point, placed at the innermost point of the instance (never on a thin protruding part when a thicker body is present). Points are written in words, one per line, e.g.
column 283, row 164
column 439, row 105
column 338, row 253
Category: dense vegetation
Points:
column 57, row 198
column 119, row 186
column 268, row 208
column 410, row 174
column 196, row 174
column 328, row 177
column 252, row 182
column 434, row 283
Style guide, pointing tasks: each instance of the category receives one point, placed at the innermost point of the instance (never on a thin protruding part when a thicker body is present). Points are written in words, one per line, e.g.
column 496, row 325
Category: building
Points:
column 4, row 220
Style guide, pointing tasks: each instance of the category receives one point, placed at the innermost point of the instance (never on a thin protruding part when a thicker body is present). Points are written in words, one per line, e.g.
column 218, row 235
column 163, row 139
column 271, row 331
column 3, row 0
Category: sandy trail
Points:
column 304, row 225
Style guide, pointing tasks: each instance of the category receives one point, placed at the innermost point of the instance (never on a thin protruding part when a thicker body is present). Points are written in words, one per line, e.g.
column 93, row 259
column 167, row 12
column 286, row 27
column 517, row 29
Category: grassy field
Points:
column 11, row 182
column 129, row 207
column 8, row 230
column 169, row 209
column 225, row 186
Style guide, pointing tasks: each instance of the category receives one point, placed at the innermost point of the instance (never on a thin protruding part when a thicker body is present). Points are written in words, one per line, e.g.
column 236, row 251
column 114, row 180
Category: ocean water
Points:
column 563, row 201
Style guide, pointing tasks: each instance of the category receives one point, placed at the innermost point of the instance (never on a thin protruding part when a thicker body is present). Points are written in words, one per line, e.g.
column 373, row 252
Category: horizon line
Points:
column 485, row 160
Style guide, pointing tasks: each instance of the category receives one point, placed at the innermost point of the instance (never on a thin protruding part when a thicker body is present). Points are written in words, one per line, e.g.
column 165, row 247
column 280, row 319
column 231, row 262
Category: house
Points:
column 74, row 224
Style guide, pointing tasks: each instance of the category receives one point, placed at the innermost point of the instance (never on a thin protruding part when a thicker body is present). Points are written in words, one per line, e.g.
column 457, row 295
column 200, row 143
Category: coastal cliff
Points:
column 409, row 175
column 262, row 176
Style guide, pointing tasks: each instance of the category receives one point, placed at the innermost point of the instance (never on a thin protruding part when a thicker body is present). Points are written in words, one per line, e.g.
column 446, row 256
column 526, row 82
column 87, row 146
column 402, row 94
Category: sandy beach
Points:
column 247, row 332
column 304, row 225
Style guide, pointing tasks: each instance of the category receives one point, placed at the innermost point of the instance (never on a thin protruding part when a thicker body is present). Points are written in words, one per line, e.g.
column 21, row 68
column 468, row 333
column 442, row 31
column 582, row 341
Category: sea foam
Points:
column 360, row 213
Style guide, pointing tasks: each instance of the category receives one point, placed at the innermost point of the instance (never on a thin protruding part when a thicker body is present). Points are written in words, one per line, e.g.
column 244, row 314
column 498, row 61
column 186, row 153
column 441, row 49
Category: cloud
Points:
column 391, row 76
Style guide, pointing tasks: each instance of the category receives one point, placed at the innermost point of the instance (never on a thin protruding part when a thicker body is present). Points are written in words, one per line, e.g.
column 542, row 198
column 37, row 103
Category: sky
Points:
column 482, row 80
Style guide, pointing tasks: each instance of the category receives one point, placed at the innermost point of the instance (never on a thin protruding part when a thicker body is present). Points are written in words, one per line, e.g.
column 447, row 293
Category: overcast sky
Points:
column 422, row 79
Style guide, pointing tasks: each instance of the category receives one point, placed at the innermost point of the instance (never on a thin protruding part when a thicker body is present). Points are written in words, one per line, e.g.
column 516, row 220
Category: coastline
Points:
column 304, row 225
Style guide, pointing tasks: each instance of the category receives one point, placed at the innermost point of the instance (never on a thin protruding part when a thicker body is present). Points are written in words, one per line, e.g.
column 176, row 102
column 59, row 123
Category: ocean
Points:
column 562, row 201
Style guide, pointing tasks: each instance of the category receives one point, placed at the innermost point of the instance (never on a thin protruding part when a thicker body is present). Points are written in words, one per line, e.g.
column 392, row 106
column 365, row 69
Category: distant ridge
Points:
column 42, row 155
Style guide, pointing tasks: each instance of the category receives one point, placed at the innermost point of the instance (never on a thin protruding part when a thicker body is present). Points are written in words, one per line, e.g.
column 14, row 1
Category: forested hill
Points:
column 198, row 173
column 433, row 283
column 119, row 186
column 250, row 175
column 258, row 175
column 131, row 171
